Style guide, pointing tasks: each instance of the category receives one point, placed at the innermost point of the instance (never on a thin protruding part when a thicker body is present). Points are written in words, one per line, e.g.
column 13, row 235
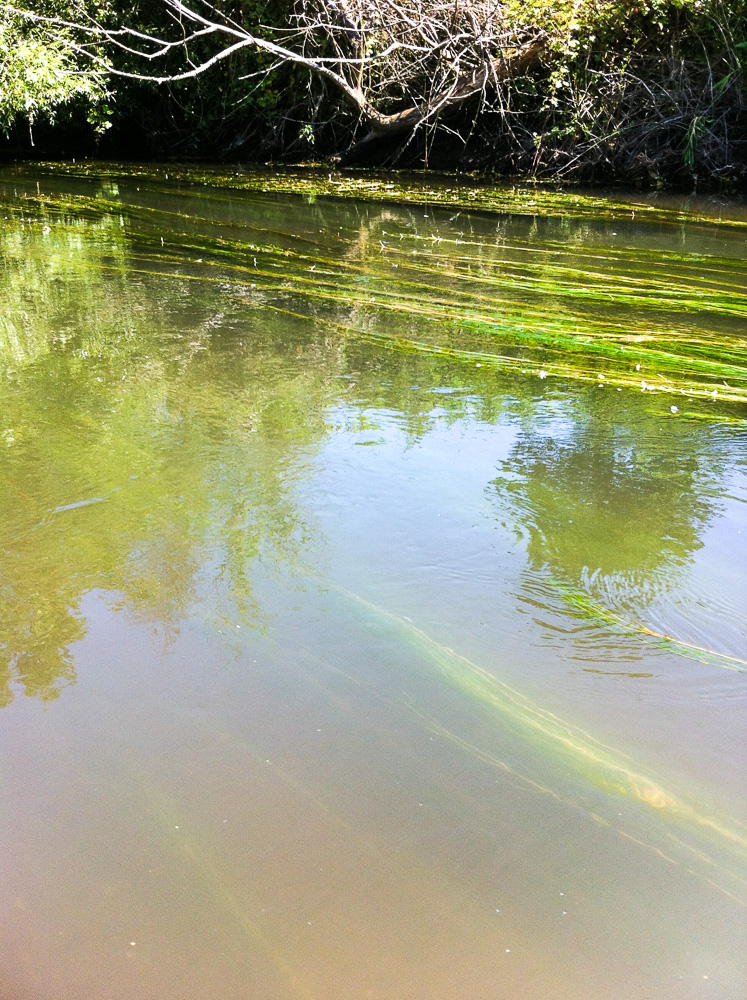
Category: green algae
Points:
column 125, row 380
column 590, row 609
column 212, row 879
column 450, row 191
column 650, row 323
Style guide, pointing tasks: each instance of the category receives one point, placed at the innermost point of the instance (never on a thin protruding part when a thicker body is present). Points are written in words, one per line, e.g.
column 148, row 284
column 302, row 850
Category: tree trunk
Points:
column 510, row 64
column 515, row 62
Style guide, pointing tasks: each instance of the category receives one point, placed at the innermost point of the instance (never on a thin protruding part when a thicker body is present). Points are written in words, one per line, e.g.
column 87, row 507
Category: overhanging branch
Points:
column 430, row 56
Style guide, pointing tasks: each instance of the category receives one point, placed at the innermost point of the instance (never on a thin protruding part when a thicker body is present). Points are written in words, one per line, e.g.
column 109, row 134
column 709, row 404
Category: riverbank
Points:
column 648, row 94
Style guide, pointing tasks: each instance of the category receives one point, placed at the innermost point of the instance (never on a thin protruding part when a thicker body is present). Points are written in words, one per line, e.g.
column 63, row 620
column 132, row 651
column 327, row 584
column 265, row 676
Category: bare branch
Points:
column 399, row 63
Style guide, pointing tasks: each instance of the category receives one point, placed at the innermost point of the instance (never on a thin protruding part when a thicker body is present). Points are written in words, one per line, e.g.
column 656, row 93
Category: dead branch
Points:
column 398, row 63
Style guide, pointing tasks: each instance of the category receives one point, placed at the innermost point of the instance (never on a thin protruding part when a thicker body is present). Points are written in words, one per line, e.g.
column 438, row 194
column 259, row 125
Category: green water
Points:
column 372, row 589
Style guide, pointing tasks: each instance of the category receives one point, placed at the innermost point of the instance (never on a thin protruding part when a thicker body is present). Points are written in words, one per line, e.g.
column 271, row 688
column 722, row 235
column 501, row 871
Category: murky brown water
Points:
column 331, row 671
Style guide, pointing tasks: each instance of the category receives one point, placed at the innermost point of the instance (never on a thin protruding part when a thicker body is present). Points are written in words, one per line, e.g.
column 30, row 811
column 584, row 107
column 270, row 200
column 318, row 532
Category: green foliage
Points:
column 645, row 88
column 649, row 90
column 39, row 74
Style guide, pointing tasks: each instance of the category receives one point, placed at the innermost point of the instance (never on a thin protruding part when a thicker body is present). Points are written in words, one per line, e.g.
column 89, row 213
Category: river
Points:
column 373, row 576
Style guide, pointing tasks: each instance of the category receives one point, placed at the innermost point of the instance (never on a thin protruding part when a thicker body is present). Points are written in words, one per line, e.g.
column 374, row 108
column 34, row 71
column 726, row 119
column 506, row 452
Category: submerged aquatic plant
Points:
column 591, row 609
column 460, row 191
column 557, row 300
column 615, row 316
column 564, row 761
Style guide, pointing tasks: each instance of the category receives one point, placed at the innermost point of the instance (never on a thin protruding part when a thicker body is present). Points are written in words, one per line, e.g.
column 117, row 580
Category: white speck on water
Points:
column 176, row 827
column 478, row 365
column 542, row 373
column 565, row 912
column 637, row 368
column 508, row 951
column 673, row 409
column 132, row 944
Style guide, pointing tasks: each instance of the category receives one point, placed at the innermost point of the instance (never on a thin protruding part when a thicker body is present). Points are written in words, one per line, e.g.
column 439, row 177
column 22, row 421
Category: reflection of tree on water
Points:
column 190, row 439
column 191, row 415
column 612, row 503
column 187, row 416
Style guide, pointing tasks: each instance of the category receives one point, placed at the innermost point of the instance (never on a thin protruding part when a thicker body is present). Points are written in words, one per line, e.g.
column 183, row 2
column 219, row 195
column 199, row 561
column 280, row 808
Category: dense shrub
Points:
column 650, row 91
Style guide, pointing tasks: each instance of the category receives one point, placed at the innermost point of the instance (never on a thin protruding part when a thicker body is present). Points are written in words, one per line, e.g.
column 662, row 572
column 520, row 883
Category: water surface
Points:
column 354, row 641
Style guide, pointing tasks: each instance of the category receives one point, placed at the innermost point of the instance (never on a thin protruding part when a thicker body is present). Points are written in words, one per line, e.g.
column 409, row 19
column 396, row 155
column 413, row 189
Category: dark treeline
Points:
column 648, row 92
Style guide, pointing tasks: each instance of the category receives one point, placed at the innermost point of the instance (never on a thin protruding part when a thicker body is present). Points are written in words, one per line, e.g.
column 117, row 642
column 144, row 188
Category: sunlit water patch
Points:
column 352, row 642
